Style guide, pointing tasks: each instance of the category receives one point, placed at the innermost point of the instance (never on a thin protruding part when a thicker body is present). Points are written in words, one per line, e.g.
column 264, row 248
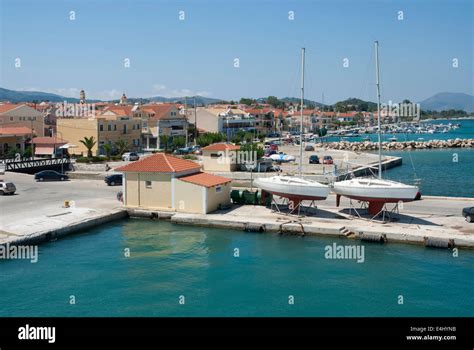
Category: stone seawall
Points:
column 373, row 146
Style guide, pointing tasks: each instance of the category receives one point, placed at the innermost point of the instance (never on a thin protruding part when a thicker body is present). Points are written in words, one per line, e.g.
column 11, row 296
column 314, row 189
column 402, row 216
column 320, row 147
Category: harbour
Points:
column 169, row 261
column 434, row 219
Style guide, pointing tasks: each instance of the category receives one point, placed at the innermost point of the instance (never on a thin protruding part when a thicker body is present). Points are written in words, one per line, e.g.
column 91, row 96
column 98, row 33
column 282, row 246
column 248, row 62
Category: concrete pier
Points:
column 37, row 213
column 435, row 218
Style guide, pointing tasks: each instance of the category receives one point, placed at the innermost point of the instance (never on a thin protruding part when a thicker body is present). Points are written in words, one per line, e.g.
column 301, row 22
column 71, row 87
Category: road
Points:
column 38, row 199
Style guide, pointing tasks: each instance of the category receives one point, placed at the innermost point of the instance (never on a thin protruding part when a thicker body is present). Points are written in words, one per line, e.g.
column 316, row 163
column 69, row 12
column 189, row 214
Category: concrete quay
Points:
column 37, row 213
column 435, row 221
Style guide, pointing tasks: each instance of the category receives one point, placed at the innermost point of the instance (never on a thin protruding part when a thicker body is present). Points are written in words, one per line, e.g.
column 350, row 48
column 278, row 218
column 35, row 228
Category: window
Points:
column 138, row 126
column 109, row 127
column 11, row 118
column 218, row 189
column 215, row 155
column 148, row 184
column 101, row 127
column 133, row 127
column 115, row 127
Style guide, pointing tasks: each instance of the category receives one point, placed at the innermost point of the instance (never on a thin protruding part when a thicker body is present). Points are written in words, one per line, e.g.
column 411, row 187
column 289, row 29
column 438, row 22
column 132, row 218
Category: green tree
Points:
column 121, row 146
column 178, row 142
column 247, row 101
column 165, row 142
column 253, row 147
column 88, row 143
column 107, row 150
column 273, row 101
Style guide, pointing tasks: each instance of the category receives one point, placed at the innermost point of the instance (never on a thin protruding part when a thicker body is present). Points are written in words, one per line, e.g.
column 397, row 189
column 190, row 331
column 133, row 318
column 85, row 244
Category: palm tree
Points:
column 108, row 150
column 121, row 146
column 89, row 143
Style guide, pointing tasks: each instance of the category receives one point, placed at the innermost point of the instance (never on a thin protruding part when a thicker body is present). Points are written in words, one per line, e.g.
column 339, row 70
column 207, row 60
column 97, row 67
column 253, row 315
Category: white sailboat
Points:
column 295, row 188
column 376, row 191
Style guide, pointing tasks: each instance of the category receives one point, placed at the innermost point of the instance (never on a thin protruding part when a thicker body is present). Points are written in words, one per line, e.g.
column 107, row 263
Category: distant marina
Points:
column 423, row 131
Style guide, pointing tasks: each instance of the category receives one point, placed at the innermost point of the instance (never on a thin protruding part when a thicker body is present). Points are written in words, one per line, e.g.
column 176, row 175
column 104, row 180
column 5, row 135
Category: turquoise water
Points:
column 168, row 261
column 440, row 174
column 466, row 131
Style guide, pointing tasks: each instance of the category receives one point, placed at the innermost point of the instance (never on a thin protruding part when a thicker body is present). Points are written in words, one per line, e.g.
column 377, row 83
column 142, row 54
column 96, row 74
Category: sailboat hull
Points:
column 376, row 190
column 296, row 189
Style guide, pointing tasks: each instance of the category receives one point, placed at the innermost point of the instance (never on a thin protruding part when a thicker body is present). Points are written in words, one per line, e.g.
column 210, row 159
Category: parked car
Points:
column 129, row 156
column 327, row 160
column 7, row 188
column 50, row 175
column 314, row 159
column 468, row 213
column 309, row 148
column 184, row 150
column 114, row 179
column 273, row 134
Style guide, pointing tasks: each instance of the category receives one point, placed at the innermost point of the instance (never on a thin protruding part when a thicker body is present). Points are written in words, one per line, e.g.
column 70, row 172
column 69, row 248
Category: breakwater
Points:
column 372, row 146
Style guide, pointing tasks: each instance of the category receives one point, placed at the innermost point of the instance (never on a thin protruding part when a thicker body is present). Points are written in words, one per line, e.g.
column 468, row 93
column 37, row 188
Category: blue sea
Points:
column 168, row 262
column 442, row 172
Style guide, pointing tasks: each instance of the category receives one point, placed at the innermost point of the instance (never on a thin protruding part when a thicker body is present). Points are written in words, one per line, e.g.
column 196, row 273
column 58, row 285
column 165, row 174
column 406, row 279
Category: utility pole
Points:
column 196, row 134
column 186, row 118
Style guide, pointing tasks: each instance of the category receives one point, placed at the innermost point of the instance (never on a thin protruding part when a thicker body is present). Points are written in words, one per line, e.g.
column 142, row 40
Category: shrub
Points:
column 190, row 157
column 90, row 160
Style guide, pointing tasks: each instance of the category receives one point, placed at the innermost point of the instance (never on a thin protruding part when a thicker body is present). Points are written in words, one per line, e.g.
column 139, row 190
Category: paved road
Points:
column 37, row 199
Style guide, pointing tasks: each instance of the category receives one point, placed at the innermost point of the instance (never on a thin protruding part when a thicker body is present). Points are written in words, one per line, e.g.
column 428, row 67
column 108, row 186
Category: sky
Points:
column 425, row 50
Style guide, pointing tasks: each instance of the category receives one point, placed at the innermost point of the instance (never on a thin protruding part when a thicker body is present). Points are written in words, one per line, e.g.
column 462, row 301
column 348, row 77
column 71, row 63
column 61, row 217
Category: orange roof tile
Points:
column 7, row 106
column 119, row 110
column 158, row 111
column 160, row 163
column 48, row 140
column 221, row 147
column 14, row 130
column 205, row 179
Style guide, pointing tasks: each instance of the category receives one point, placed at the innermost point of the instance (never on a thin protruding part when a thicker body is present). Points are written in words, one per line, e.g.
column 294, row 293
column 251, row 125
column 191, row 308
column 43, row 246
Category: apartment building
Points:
column 161, row 119
column 264, row 119
column 113, row 124
column 223, row 119
column 19, row 123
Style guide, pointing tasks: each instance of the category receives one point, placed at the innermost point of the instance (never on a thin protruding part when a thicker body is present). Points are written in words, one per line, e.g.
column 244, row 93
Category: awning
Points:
column 68, row 145
column 44, row 150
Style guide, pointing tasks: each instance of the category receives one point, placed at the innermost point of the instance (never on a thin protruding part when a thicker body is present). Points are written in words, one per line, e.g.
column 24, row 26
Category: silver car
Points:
column 128, row 156
column 7, row 188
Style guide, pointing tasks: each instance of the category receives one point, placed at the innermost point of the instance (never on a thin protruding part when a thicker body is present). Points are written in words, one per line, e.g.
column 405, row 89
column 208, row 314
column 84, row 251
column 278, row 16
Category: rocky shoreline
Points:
column 372, row 146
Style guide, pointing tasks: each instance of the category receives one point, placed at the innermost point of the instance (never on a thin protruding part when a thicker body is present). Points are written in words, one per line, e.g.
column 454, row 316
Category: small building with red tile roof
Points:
column 220, row 157
column 162, row 182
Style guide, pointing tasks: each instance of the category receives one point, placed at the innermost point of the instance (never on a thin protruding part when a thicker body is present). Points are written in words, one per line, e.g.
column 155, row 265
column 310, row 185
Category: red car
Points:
column 328, row 160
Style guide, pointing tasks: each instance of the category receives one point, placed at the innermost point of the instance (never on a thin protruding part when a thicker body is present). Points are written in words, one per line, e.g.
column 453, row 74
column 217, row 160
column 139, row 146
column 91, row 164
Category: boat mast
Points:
column 378, row 105
column 301, row 110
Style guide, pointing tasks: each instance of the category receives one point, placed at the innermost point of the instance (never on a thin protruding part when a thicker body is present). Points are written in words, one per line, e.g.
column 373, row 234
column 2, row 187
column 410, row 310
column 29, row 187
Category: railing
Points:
column 22, row 165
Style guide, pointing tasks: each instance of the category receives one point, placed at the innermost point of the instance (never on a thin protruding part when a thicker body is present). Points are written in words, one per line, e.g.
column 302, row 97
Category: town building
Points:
column 264, row 119
column 161, row 120
column 220, row 157
column 21, row 115
column 166, row 183
column 223, row 119
column 113, row 124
